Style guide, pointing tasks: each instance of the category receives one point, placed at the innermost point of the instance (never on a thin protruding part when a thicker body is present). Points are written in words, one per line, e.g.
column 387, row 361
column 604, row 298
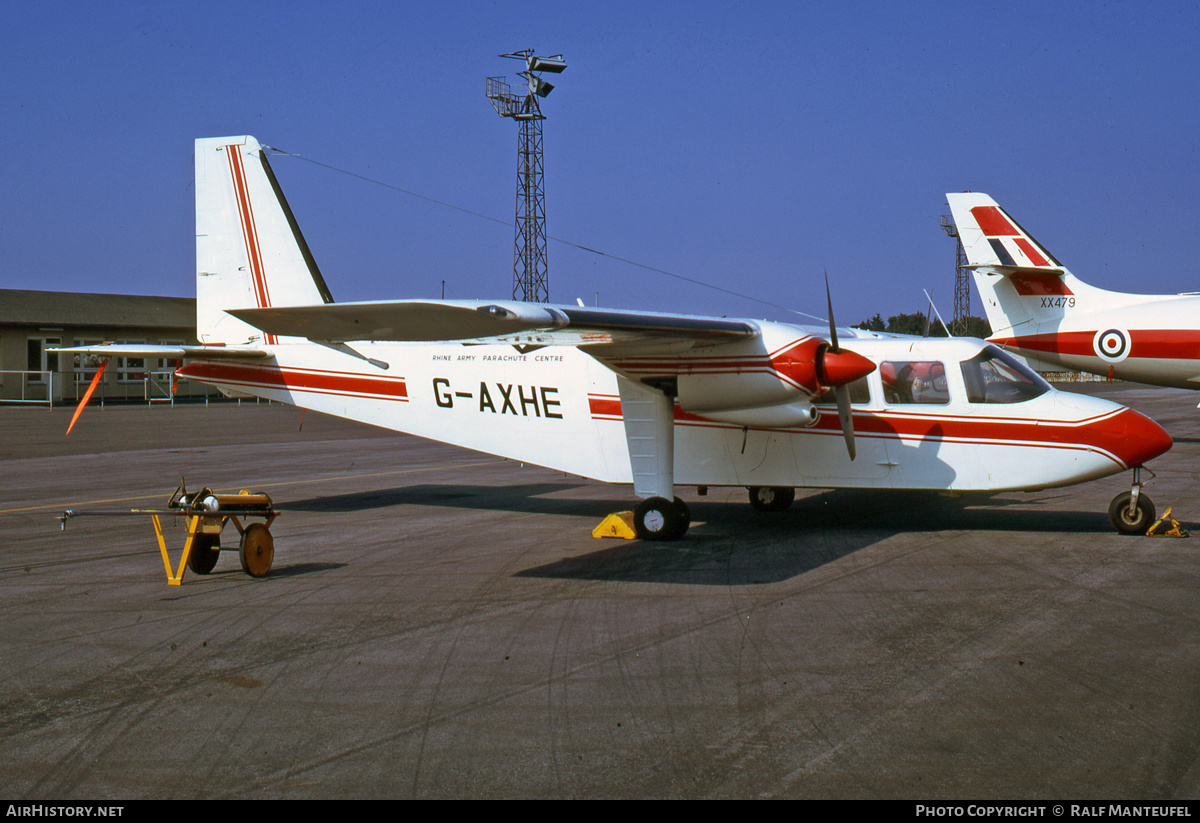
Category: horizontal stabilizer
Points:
column 429, row 320
column 1008, row 271
column 165, row 351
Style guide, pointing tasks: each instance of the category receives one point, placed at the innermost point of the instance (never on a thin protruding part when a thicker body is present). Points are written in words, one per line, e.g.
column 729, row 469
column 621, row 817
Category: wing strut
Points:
column 649, row 416
column 650, row 431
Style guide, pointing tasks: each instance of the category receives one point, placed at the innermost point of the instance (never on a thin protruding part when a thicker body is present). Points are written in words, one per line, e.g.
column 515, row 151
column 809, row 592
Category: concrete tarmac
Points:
column 441, row 624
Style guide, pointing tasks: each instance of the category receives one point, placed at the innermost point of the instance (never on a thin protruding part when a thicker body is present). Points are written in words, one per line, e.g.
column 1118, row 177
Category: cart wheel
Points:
column 206, row 548
column 257, row 550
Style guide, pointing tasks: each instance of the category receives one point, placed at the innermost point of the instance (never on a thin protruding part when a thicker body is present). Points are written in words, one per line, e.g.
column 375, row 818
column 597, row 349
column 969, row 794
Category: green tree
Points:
column 914, row 324
column 874, row 324
column 976, row 327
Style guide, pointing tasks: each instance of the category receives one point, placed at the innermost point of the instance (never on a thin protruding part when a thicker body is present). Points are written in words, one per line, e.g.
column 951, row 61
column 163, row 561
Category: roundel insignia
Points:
column 1112, row 345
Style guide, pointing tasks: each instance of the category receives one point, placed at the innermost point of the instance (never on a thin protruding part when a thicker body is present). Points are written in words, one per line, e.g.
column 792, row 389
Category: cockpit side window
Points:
column 992, row 376
column 914, row 381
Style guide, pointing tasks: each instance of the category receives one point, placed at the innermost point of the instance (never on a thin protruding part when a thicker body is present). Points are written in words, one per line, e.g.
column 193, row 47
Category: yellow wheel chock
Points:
column 616, row 525
column 1175, row 531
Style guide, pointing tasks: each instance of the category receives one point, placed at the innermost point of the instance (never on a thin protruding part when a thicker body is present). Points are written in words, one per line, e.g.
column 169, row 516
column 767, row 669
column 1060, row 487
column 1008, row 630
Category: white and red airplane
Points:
column 655, row 400
column 1052, row 319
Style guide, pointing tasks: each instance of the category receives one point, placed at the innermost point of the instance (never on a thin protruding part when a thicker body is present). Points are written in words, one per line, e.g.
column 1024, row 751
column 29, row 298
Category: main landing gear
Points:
column 1132, row 512
column 657, row 518
column 771, row 498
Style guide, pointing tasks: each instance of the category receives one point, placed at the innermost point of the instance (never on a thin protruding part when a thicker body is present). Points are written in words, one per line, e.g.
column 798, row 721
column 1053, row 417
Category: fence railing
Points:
column 57, row 388
column 28, row 386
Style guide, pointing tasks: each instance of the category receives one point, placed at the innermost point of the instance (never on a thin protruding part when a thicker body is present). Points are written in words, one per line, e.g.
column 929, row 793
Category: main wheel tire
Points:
column 771, row 498
column 685, row 513
column 658, row 519
column 1118, row 514
column 206, row 548
column 257, row 550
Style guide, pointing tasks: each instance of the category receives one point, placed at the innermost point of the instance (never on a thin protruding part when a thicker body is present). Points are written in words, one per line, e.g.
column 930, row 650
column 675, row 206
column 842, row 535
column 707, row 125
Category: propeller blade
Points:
column 833, row 344
column 841, row 368
column 87, row 395
column 845, row 418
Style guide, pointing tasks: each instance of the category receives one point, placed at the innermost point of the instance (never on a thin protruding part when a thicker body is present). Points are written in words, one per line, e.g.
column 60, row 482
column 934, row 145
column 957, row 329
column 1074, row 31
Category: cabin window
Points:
column 860, row 394
column 914, row 381
column 992, row 376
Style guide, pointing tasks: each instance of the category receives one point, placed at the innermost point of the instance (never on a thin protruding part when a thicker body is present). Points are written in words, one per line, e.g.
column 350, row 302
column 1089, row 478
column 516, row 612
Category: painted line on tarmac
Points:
column 273, row 485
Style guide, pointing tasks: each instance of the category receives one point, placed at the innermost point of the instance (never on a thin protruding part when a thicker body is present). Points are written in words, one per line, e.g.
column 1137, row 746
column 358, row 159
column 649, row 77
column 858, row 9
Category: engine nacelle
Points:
column 798, row 415
column 753, row 380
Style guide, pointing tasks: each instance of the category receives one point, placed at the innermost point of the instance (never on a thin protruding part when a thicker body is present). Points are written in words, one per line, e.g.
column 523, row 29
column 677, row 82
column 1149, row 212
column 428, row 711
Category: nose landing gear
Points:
column 1132, row 512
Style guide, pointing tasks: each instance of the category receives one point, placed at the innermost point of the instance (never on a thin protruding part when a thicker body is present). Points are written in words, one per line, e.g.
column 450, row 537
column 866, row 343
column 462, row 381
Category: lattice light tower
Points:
column 530, row 269
column 962, row 283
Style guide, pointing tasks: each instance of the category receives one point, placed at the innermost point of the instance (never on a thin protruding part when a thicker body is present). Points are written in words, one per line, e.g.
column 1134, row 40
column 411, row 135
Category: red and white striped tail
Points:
column 249, row 251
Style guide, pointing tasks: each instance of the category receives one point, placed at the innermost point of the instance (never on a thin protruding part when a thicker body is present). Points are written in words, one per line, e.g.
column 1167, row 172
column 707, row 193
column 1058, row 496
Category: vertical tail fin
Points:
column 991, row 238
column 249, row 250
column 1019, row 282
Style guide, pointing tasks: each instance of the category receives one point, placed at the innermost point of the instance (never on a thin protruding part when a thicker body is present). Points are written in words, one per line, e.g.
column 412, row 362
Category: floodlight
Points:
column 554, row 64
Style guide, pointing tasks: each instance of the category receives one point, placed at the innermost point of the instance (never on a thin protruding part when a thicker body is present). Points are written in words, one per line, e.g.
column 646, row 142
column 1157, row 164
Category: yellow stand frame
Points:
column 196, row 524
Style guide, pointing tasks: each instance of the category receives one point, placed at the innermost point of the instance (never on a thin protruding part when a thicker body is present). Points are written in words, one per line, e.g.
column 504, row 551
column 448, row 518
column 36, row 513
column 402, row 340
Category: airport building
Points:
column 33, row 322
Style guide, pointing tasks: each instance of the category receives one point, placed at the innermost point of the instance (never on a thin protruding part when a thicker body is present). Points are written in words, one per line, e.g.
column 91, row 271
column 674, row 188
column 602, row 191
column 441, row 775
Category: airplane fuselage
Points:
column 559, row 407
column 1147, row 339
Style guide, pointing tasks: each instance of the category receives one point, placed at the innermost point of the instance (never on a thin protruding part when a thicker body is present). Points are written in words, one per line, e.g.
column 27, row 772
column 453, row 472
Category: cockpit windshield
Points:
column 993, row 376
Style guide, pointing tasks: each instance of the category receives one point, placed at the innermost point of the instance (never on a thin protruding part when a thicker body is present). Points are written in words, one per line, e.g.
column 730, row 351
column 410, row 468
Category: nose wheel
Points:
column 1132, row 512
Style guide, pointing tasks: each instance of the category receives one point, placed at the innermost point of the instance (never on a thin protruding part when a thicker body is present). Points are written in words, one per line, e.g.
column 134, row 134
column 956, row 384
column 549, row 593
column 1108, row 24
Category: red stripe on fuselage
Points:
column 1121, row 435
column 319, row 381
column 605, row 406
column 1160, row 344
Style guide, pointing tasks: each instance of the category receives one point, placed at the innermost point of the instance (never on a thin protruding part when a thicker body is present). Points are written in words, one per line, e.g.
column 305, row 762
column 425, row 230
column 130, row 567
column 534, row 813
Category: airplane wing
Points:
column 432, row 320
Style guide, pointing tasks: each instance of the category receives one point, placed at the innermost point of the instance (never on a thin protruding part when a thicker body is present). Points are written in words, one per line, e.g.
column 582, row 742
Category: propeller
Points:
column 87, row 395
column 843, row 368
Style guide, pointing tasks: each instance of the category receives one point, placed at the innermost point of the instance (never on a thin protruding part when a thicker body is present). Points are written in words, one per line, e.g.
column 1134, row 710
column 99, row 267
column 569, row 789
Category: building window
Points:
column 41, row 361
column 168, row 363
column 131, row 369
column 85, row 365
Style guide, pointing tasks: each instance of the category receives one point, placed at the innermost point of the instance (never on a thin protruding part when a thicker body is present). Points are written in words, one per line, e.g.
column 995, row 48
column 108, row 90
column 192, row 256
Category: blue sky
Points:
column 749, row 145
